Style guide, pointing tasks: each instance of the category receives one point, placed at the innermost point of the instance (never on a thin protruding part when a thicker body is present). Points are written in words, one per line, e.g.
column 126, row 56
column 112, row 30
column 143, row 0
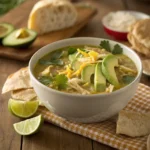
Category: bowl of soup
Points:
column 85, row 79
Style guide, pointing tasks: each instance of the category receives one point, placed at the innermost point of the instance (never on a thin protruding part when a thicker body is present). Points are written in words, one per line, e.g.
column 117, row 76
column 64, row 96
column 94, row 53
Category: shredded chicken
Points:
column 85, row 59
column 46, row 71
column 128, row 69
column 102, row 56
column 74, row 83
column 96, row 49
column 110, row 88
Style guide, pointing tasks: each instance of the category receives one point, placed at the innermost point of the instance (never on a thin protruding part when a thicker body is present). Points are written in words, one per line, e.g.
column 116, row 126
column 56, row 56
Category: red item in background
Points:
column 116, row 34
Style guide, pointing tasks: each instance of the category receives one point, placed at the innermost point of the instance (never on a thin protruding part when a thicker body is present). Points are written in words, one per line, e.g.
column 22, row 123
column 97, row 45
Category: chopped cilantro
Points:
column 60, row 81
column 117, row 49
column 128, row 79
column 46, row 80
column 84, row 50
column 105, row 44
column 56, row 55
column 51, row 62
column 72, row 50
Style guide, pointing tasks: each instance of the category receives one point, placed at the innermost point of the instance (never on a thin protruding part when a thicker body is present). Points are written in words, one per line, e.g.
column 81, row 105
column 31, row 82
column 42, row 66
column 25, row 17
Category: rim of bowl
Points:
column 130, row 11
column 88, row 95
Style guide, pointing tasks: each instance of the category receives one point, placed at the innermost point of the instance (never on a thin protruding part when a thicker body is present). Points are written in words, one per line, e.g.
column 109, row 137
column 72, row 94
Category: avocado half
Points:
column 5, row 29
column 20, row 38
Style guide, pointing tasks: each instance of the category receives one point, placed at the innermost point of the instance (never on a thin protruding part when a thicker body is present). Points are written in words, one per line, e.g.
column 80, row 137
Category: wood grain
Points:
column 9, row 140
column 95, row 28
column 139, row 5
column 84, row 15
column 99, row 146
column 51, row 137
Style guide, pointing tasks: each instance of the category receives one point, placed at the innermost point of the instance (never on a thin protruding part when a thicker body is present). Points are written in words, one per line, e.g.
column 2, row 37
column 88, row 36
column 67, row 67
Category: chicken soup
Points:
column 86, row 69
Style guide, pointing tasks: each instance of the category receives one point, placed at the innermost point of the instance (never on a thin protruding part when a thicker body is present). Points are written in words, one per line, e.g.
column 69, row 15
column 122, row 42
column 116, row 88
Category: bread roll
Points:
column 133, row 124
column 52, row 15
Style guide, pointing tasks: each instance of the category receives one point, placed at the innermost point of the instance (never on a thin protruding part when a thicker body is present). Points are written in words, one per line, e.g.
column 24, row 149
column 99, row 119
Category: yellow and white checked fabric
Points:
column 105, row 132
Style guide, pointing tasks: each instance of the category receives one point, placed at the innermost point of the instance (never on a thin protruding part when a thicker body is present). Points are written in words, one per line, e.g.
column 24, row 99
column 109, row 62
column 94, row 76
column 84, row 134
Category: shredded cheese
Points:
column 78, row 72
column 94, row 55
column 68, row 72
column 83, row 53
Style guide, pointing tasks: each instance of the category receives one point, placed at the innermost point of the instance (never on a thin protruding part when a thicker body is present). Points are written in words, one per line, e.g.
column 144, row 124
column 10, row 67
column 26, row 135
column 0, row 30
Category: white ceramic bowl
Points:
column 83, row 108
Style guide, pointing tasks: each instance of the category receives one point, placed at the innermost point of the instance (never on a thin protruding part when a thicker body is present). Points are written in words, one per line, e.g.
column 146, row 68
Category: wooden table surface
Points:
column 52, row 137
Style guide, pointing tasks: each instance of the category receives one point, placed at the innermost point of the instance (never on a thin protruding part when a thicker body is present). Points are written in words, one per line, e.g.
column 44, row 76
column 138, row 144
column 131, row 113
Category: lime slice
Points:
column 23, row 109
column 29, row 126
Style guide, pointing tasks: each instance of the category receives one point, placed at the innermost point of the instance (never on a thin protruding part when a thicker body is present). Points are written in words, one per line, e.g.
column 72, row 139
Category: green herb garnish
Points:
column 46, row 80
column 105, row 44
column 116, row 49
column 51, row 62
column 60, row 81
column 71, row 50
column 128, row 79
column 56, row 55
column 84, row 50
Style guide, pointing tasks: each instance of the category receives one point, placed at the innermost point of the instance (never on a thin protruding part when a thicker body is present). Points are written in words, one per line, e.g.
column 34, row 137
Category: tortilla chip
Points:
column 138, row 46
column 18, row 80
column 133, row 124
column 146, row 66
column 24, row 94
column 141, row 31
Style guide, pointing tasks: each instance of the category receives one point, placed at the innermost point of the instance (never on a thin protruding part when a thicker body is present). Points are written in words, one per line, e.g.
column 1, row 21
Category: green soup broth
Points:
column 85, row 70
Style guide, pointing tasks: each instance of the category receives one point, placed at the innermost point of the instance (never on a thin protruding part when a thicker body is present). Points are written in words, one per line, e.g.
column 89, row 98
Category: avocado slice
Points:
column 99, row 79
column 20, row 38
column 5, row 29
column 74, row 56
column 108, row 69
column 75, row 65
column 87, row 72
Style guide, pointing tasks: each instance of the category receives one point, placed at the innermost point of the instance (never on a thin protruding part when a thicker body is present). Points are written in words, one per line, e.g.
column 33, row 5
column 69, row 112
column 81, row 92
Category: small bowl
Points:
column 121, row 35
column 84, row 108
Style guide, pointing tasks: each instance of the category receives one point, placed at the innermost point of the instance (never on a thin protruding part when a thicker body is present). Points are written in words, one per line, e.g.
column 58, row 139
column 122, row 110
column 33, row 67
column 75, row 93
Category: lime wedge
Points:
column 23, row 109
column 29, row 126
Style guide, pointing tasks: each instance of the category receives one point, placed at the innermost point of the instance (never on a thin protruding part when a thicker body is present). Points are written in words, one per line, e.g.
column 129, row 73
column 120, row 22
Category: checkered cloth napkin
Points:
column 105, row 132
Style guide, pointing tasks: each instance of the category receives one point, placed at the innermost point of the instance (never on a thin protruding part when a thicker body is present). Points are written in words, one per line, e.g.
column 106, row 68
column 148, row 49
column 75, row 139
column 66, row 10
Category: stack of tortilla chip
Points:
column 20, row 86
column 139, row 36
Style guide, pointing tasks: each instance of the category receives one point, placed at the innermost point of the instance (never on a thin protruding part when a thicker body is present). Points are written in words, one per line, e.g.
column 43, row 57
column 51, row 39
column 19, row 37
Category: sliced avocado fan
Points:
column 87, row 73
column 108, row 69
column 5, row 29
column 99, row 79
column 20, row 38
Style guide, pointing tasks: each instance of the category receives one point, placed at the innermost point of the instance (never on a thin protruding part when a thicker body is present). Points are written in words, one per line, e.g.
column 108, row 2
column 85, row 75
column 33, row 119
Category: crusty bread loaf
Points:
column 52, row 15
column 133, row 124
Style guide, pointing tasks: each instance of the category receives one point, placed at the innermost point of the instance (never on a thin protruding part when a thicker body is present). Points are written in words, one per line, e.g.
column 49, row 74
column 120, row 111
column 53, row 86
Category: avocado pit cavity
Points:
column 22, row 33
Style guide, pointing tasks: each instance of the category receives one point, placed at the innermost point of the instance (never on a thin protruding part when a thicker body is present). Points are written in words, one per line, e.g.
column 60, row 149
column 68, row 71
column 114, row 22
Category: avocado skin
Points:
column 99, row 79
column 25, row 45
column 10, row 26
column 112, row 78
